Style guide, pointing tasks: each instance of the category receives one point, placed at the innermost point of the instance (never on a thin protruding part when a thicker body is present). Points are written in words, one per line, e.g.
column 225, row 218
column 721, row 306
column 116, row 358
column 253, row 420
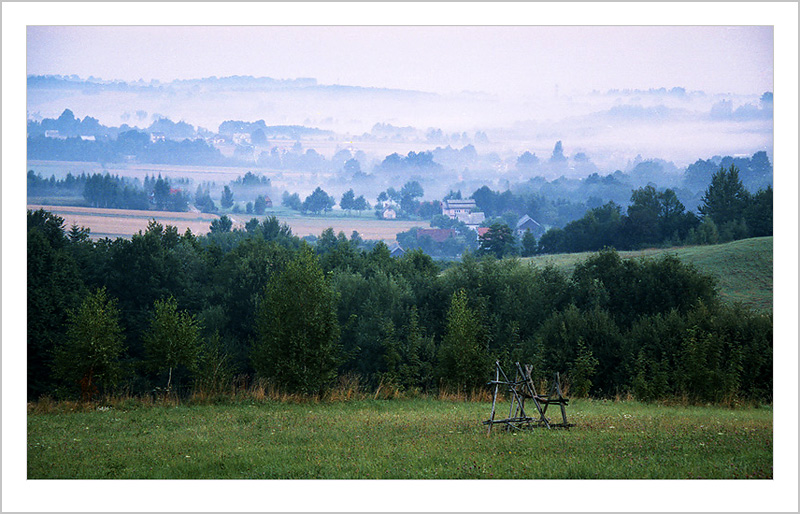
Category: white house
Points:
column 53, row 134
column 463, row 211
column 453, row 208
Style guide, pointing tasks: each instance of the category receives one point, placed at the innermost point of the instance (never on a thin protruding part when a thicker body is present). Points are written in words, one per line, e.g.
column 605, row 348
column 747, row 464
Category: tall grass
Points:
column 349, row 387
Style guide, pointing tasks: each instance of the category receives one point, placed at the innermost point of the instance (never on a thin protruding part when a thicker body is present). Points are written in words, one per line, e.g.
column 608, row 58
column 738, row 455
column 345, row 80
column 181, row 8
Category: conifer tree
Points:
column 726, row 198
column 226, row 200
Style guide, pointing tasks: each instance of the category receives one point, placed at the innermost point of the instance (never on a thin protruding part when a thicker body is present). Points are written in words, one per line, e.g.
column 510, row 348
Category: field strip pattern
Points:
column 124, row 222
column 113, row 223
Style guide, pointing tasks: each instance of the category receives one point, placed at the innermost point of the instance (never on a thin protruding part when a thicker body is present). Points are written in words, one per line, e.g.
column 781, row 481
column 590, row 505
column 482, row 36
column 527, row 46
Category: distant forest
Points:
column 111, row 191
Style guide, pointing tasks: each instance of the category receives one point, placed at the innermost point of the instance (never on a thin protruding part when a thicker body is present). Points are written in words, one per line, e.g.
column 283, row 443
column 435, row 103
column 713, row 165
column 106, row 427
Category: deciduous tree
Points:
column 297, row 331
column 89, row 356
column 348, row 200
column 463, row 356
column 173, row 339
column 317, row 202
column 260, row 205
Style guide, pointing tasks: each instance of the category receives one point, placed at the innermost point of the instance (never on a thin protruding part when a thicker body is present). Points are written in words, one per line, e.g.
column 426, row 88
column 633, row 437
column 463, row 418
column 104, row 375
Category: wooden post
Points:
column 561, row 398
column 534, row 395
column 520, row 399
column 515, row 395
column 494, row 397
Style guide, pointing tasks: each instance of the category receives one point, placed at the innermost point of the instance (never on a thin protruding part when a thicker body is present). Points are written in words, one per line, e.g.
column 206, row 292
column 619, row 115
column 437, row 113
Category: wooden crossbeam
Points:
column 523, row 388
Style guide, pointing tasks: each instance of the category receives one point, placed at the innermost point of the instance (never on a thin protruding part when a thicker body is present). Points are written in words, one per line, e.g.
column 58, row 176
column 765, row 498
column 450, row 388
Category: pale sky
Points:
column 492, row 59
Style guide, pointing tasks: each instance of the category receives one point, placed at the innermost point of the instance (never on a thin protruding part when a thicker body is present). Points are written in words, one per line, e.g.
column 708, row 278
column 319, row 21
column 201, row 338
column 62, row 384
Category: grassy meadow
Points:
column 394, row 439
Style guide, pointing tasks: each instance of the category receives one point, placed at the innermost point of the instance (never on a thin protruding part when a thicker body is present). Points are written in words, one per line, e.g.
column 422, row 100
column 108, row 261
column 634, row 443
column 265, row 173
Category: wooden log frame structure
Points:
column 521, row 389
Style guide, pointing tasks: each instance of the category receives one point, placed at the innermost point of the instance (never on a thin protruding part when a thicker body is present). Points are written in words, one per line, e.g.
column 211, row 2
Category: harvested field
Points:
column 124, row 223
column 115, row 223
column 384, row 230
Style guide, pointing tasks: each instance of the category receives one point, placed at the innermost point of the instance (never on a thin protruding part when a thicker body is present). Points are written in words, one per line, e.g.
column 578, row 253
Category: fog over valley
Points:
column 610, row 127
column 391, row 123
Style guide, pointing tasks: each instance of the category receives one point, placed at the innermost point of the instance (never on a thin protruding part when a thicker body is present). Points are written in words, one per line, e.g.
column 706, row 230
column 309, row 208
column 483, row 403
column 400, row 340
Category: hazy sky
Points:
column 493, row 59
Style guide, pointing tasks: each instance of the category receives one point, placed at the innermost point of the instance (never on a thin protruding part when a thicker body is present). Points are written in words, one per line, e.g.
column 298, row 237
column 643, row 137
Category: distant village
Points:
column 466, row 212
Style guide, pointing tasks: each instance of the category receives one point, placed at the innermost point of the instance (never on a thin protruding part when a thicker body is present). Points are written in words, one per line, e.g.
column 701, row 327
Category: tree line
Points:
column 727, row 212
column 169, row 311
column 131, row 144
column 112, row 191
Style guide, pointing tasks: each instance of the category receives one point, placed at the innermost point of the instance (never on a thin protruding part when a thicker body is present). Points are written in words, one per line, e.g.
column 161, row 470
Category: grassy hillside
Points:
column 742, row 268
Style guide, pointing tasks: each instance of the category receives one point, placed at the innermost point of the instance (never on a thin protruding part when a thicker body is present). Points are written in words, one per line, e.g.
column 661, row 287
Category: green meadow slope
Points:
column 743, row 268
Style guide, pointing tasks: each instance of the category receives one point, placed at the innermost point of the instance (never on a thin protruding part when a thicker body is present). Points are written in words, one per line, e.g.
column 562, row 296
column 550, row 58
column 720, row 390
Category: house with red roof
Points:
column 439, row 235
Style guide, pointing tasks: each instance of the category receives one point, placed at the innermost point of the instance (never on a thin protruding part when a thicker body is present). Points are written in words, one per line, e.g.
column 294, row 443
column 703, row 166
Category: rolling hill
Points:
column 743, row 268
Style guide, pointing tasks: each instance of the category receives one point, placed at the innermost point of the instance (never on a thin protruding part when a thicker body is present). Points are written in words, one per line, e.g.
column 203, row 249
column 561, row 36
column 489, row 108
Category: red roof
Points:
column 482, row 231
column 439, row 235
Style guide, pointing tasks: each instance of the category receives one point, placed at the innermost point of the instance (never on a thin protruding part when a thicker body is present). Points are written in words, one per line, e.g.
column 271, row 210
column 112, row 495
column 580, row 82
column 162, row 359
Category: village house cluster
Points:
column 466, row 211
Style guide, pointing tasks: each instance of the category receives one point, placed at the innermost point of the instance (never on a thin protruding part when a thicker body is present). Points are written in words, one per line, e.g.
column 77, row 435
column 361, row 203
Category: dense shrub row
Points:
column 203, row 311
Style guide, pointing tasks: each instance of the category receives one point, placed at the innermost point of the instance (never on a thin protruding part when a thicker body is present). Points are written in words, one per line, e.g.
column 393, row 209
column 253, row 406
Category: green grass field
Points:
column 742, row 268
column 397, row 439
